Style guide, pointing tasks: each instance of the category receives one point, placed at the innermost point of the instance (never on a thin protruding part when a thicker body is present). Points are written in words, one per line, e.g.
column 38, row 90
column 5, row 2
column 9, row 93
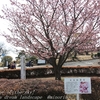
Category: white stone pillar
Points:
column 23, row 67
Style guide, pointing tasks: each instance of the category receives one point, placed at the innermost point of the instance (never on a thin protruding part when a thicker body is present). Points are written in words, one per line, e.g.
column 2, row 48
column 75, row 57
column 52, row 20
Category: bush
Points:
column 98, row 54
column 1, row 64
column 95, row 95
column 48, row 72
column 34, row 89
column 39, row 89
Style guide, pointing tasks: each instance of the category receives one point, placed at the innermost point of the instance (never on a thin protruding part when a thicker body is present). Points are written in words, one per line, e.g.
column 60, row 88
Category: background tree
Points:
column 19, row 53
column 52, row 29
column 27, row 56
column 3, row 50
column 22, row 52
column 6, row 59
column 31, row 59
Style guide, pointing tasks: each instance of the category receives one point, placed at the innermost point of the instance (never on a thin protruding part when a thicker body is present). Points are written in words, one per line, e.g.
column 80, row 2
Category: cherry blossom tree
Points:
column 53, row 29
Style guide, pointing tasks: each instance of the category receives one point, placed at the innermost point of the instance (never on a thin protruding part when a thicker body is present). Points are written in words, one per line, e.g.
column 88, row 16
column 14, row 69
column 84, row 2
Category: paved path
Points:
column 93, row 62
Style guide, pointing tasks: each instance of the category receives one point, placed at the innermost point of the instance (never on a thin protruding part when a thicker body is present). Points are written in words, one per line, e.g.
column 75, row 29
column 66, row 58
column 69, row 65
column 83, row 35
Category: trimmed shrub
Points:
column 48, row 72
column 34, row 89
column 42, row 89
column 95, row 95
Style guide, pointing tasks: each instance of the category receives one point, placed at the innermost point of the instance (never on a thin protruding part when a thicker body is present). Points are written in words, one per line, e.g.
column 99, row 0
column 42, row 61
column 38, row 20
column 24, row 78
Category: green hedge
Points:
column 48, row 72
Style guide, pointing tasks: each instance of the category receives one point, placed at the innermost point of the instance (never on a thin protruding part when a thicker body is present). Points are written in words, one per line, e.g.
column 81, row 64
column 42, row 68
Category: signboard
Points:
column 41, row 61
column 80, row 85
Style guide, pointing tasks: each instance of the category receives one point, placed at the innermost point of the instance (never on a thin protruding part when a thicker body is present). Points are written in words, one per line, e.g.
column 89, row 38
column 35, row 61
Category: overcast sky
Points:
column 3, row 27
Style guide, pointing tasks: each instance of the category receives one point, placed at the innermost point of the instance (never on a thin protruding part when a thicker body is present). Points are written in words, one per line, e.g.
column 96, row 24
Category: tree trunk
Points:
column 57, row 73
column 56, row 68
